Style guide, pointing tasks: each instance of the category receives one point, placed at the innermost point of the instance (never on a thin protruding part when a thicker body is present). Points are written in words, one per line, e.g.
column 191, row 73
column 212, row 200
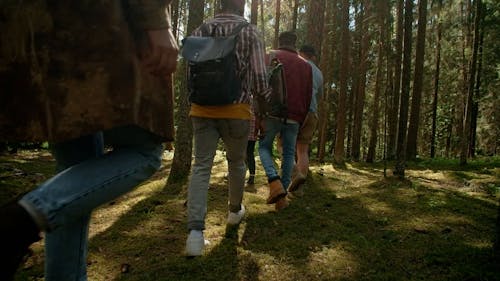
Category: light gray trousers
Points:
column 207, row 132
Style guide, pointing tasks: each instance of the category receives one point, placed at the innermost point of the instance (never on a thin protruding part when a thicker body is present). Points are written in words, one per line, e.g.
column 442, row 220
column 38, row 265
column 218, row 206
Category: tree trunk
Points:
column 262, row 21
column 449, row 130
column 359, row 105
column 326, row 65
column 396, row 94
column 376, row 99
column 295, row 14
column 399, row 169
column 181, row 164
column 411, row 148
column 254, row 13
column 477, row 88
column 175, row 17
column 464, row 145
column 343, row 79
column 315, row 23
column 436, row 89
column 277, row 24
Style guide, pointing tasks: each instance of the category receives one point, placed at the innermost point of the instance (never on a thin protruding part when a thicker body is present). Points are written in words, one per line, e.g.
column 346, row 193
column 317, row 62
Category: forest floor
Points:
column 350, row 224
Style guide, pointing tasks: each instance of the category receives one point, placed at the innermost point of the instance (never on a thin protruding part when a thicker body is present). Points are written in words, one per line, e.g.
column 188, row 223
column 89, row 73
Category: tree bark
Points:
column 361, row 88
column 470, row 93
column 399, row 169
column 175, row 17
column 254, row 13
column 295, row 14
column 396, row 94
column 477, row 94
column 343, row 77
column 326, row 65
column 277, row 24
column 315, row 23
column 411, row 148
column 376, row 99
column 436, row 89
column 181, row 164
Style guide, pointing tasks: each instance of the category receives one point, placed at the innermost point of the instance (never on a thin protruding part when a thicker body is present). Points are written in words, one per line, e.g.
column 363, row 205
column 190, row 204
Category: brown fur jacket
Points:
column 70, row 68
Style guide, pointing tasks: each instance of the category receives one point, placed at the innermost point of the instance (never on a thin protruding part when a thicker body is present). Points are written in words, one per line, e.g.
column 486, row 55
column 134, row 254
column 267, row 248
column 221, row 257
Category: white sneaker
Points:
column 235, row 218
column 195, row 243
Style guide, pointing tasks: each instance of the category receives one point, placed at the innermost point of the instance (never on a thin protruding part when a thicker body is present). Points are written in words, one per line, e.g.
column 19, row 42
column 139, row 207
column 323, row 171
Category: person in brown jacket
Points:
column 81, row 74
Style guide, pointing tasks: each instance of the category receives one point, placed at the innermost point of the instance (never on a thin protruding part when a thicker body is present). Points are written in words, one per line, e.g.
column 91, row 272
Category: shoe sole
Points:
column 276, row 198
column 296, row 184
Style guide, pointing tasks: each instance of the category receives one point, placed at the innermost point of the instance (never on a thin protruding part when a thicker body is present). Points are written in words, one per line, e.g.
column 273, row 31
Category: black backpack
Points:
column 278, row 106
column 212, row 67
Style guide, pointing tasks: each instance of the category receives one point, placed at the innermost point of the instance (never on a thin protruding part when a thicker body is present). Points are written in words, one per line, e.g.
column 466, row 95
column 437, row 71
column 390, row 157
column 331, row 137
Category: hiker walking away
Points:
column 298, row 83
column 308, row 128
column 222, row 115
column 80, row 82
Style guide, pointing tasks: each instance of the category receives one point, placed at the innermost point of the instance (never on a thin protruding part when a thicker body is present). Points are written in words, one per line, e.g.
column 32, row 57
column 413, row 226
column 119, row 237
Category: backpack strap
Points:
column 238, row 28
column 205, row 30
column 275, row 62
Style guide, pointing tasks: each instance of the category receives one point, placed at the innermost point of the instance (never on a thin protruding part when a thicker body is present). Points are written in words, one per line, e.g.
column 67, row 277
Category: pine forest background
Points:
column 404, row 79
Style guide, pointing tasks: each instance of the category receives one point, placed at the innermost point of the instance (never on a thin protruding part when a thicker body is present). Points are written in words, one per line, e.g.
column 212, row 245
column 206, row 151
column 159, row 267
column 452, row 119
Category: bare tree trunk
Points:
column 399, row 169
column 394, row 106
column 181, row 164
column 277, row 24
column 175, row 17
column 254, row 13
column 326, row 65
column 295, row 14
column 262, row 21
column 411, row 148
column 376, row 99
column 343, row 77
column 436, row 90
column 470, row 93
column 449, row 130
column 359, row 105
column 477, row 88
column 315, row 23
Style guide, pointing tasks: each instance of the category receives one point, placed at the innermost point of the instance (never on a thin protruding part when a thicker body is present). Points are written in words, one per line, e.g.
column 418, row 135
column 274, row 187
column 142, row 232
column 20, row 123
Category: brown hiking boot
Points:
column 281, row 204
column 276, row 191
column 297, row 181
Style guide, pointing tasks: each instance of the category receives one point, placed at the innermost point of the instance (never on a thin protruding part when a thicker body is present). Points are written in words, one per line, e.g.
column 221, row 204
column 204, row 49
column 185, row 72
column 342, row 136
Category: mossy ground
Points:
column 350, row 224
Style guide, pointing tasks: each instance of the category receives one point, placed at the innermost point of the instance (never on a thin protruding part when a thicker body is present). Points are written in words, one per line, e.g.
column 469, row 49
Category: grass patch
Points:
column 350, row 224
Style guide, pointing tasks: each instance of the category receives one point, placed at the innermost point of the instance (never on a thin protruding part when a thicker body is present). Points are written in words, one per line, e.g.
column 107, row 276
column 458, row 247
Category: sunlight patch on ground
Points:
column 377, row 206
column 435, row 223
column 104, row 217
column 332, row 263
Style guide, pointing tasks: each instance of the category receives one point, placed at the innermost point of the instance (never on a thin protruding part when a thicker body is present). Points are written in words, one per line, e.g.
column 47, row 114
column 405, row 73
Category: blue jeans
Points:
column 207, row 132
column 87, row 178
column 288, row 133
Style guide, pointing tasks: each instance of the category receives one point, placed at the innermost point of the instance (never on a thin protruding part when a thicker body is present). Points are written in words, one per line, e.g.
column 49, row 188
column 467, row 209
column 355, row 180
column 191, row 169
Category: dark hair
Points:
column 229, row 4
column 287, row 38
column 308, row 50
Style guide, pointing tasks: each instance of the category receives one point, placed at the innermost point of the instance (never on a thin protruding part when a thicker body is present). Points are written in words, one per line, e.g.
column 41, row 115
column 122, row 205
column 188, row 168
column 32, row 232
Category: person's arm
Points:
column 153, row 17
column 259, row 71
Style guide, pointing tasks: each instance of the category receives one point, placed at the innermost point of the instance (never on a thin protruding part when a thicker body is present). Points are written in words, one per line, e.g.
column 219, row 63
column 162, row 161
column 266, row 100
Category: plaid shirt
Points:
column 249, row 52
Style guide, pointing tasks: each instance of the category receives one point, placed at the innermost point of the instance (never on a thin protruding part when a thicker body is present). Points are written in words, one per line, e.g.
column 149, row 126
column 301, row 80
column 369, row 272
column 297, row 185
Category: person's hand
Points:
column 161, row 57
column 260, row 125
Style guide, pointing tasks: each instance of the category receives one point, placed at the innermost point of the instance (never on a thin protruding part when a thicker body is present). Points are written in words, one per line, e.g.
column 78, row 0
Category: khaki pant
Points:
column 207, row 132
column 308, row 128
